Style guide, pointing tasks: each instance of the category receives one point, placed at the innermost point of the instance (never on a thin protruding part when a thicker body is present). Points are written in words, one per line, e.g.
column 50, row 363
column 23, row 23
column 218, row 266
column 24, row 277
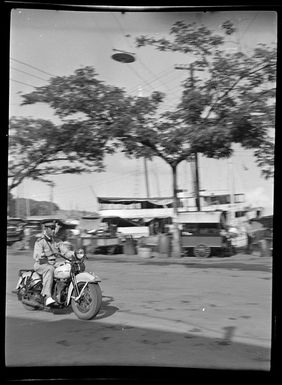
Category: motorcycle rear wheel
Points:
column 90, row 302
column 30, row 308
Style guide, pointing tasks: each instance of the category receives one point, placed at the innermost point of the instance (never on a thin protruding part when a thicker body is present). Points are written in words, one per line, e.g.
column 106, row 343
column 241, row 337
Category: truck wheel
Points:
column 202, row 251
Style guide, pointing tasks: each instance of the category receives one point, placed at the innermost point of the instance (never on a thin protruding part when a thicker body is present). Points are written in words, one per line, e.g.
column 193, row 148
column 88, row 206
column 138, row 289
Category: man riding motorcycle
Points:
column 44, row 247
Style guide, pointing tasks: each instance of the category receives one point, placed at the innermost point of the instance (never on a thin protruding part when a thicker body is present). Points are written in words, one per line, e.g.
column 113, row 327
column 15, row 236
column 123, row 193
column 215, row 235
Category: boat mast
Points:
column 232, row 190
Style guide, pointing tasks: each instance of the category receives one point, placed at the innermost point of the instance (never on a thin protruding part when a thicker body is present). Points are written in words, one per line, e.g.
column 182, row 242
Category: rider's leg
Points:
column 47, row 272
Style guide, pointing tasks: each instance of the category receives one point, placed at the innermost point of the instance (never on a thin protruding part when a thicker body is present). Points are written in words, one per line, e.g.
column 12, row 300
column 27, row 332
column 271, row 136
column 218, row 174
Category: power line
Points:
column 249, row 25
column 135, row 88
column 140, row 77
column 130, row 67
column 103, row 182
column 24, row 72
column 26, row 84
column 166, row 73
column 31, row 66
column 139, row 59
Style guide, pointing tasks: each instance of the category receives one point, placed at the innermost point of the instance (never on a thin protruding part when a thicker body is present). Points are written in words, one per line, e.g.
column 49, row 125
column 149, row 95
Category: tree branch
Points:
column 147, row 143
column 232, row 87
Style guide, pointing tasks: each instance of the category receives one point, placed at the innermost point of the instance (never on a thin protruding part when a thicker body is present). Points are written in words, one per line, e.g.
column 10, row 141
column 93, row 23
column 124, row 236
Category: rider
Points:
column 43, row 247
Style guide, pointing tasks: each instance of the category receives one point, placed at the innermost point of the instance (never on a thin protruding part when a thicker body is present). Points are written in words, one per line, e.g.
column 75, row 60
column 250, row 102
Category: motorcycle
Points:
column 72, row 286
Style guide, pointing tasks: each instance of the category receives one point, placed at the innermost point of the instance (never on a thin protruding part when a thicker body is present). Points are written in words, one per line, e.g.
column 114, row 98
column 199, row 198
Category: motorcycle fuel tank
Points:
column 62, row 270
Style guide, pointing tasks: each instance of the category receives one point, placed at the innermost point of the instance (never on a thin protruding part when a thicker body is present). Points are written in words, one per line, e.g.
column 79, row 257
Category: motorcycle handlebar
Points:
column 60, row 255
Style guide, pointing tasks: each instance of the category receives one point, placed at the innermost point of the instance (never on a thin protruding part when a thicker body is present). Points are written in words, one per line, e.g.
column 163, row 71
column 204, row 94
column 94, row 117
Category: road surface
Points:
column 194, row 313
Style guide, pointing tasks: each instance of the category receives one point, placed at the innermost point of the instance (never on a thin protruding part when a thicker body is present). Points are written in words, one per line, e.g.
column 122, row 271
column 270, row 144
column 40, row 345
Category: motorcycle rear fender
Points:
column 82, row 277
column 24, row 274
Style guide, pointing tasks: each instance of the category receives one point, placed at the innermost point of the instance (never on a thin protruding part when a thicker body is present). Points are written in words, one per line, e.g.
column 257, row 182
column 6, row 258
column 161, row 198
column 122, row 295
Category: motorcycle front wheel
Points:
column 89, row 303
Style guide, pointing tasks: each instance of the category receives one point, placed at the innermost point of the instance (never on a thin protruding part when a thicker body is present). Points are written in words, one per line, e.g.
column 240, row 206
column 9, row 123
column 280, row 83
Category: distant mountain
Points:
column 22, row 208
column 74, row 214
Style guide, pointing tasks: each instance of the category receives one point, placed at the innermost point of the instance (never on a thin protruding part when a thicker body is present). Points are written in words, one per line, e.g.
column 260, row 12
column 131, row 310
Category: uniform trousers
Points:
column 47, row 272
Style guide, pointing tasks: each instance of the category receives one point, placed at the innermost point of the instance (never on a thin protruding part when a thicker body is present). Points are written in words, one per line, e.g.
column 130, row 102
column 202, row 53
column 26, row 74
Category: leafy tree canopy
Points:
column 38, row 148
column 95, row 118
column 227, row 98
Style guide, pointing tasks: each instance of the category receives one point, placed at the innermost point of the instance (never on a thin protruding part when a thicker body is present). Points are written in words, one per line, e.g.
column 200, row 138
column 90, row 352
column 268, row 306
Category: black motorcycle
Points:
column 72, row 286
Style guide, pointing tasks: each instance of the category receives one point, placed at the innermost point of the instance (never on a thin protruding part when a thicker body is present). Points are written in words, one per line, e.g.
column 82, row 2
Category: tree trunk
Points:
column 176, row 247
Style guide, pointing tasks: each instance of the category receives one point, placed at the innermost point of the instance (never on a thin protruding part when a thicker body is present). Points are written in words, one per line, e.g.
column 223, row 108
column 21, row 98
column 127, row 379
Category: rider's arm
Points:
column 64, row 250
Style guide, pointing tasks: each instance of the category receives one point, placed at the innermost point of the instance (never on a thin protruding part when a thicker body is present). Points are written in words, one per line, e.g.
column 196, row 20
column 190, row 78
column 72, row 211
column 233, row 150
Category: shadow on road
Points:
column 32, row 343
column 106, row 309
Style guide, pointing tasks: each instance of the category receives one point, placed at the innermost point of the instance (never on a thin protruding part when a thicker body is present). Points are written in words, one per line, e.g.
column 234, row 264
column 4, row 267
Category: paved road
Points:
column 210, row 313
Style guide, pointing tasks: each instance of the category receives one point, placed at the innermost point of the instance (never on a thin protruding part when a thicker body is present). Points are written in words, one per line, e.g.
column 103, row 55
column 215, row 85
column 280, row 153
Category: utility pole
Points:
column 195, row 169
column 27, row 207
column 232, row 191
column 52, row 184
column 146, row 177
column 17, row 203
column 140, row 94
column 95, row 196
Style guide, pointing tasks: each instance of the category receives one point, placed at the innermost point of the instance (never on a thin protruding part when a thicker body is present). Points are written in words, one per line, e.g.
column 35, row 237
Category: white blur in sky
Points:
column 47, row 43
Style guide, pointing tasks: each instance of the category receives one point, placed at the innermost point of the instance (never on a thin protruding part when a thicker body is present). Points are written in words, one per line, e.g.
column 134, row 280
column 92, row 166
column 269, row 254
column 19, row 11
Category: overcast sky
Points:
column 48, row 43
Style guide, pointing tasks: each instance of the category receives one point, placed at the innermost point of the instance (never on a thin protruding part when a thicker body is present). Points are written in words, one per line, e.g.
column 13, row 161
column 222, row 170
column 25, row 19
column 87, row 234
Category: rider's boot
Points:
column 49, row 301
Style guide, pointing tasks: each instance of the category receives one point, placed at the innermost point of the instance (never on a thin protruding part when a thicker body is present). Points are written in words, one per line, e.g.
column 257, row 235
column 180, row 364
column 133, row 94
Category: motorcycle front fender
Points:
column 82, row 277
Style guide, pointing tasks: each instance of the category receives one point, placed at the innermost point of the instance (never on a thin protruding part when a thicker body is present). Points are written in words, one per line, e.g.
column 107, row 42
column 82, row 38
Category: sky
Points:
column 45, row 43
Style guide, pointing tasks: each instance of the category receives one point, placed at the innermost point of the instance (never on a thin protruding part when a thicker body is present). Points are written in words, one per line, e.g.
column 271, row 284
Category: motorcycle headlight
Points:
column 80, row 254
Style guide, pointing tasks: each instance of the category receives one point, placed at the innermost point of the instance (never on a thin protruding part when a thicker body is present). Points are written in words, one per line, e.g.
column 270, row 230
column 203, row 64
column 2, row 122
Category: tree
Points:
column 265, row 157
column 38, row 148
column 232, row 102
column 95, row 117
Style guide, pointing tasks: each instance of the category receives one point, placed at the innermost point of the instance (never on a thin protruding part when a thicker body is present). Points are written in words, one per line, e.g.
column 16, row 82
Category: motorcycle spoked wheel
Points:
column 90, row 302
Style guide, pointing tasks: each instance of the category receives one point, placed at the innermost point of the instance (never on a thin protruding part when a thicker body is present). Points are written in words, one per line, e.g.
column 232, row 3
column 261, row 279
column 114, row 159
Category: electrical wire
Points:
column 248, row 26
column 169, row 78
column 139, row 59
column 103, row 182
column 26, row 84
column 24, row 72
column 134, row 89
column 31, row 66
column 128, row 65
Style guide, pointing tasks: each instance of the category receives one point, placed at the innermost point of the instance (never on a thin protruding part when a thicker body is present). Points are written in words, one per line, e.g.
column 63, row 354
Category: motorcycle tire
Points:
column 90, row 303
column 30, row 307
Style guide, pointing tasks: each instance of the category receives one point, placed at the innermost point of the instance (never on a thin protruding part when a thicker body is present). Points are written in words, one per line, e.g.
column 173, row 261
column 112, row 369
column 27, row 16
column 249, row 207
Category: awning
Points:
column 138, row 213
column 200, row 217
column 164, row 201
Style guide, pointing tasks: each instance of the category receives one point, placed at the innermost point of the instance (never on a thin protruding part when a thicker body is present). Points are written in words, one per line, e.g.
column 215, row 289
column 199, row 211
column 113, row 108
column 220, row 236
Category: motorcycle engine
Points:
column 60, row 290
